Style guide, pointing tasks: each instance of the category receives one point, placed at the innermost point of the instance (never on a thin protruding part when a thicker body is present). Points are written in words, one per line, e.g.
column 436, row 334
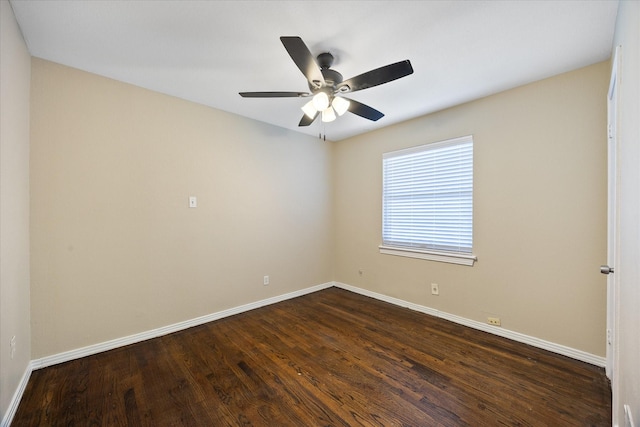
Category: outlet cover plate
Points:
column 495, row 321
column 435, row 289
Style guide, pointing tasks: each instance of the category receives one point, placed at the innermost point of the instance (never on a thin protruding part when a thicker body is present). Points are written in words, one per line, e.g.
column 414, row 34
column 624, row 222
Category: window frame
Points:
column 449, row 256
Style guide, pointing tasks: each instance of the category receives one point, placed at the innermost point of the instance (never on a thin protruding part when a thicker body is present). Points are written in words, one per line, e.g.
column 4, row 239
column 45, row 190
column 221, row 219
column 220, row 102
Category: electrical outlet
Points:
column 265, row 280
column 435, row 290
column 495, row 321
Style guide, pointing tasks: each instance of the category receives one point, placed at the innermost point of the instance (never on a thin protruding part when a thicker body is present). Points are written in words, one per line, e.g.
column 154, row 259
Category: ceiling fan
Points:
column 327, row 85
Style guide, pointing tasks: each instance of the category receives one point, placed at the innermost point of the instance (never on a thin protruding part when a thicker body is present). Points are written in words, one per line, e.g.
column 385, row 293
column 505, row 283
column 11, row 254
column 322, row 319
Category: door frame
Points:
column 612, row 350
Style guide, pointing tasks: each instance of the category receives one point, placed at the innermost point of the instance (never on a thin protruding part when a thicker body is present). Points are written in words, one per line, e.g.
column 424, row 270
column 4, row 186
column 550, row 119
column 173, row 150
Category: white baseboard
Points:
column 17, row 396
column 143, row 336
column 132, row 339
column 505, row 333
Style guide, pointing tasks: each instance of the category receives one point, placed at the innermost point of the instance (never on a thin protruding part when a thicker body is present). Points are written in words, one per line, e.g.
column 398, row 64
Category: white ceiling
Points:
column 208, row 51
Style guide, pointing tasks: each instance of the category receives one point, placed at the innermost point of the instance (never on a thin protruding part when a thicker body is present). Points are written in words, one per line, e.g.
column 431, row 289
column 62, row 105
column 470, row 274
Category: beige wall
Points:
column 114, row 244
column 15, row 69
column 115, row 248
column 626, row 384
column 539, row 211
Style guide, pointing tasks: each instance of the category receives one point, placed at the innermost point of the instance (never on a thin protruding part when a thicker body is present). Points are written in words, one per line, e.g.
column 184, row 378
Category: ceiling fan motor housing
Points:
column 331, row 77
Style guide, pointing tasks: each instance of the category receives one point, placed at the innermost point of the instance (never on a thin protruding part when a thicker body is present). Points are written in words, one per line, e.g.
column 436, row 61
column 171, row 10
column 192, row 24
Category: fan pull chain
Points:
column 323, row 132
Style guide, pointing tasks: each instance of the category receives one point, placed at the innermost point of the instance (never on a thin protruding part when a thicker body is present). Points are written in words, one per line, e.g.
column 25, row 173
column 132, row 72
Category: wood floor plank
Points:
column 331, row 358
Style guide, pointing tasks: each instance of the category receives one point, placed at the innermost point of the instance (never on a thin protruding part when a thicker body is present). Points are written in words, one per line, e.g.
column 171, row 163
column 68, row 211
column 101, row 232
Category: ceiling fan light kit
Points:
column 320, row 104
column 325, row 83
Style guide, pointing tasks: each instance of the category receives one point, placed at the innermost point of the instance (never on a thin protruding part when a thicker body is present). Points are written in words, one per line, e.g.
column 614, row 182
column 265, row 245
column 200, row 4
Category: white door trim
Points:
column 612, row 220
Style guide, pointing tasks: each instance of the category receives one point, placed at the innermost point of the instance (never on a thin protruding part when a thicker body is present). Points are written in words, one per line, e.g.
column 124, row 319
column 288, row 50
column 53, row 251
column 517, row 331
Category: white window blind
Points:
column 428, row 197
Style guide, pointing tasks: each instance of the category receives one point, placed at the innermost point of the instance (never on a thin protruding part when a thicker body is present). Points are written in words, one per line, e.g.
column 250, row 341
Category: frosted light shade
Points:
column 309, row 109
column 328, row 115
column 321, row 101
column 341, row 105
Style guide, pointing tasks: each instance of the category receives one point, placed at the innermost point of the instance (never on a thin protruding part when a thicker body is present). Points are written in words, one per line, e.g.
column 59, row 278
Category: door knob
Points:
column 605, row 269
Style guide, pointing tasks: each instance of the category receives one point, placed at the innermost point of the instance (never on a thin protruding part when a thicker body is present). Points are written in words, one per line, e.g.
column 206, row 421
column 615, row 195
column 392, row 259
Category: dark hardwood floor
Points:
column 331, row 358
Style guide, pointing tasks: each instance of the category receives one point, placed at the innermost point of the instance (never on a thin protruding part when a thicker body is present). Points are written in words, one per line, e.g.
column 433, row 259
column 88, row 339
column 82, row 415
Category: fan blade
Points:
column 377, row 77
column 273, row 94
column 363, row 110
column 303, row 58
column 306, row 120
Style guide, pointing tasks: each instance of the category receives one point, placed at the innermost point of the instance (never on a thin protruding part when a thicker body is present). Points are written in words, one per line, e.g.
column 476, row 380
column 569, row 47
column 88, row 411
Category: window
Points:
column 427, row 202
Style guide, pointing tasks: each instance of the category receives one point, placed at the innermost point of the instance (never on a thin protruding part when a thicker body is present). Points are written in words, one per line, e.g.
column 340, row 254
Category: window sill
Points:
column 461, row 259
